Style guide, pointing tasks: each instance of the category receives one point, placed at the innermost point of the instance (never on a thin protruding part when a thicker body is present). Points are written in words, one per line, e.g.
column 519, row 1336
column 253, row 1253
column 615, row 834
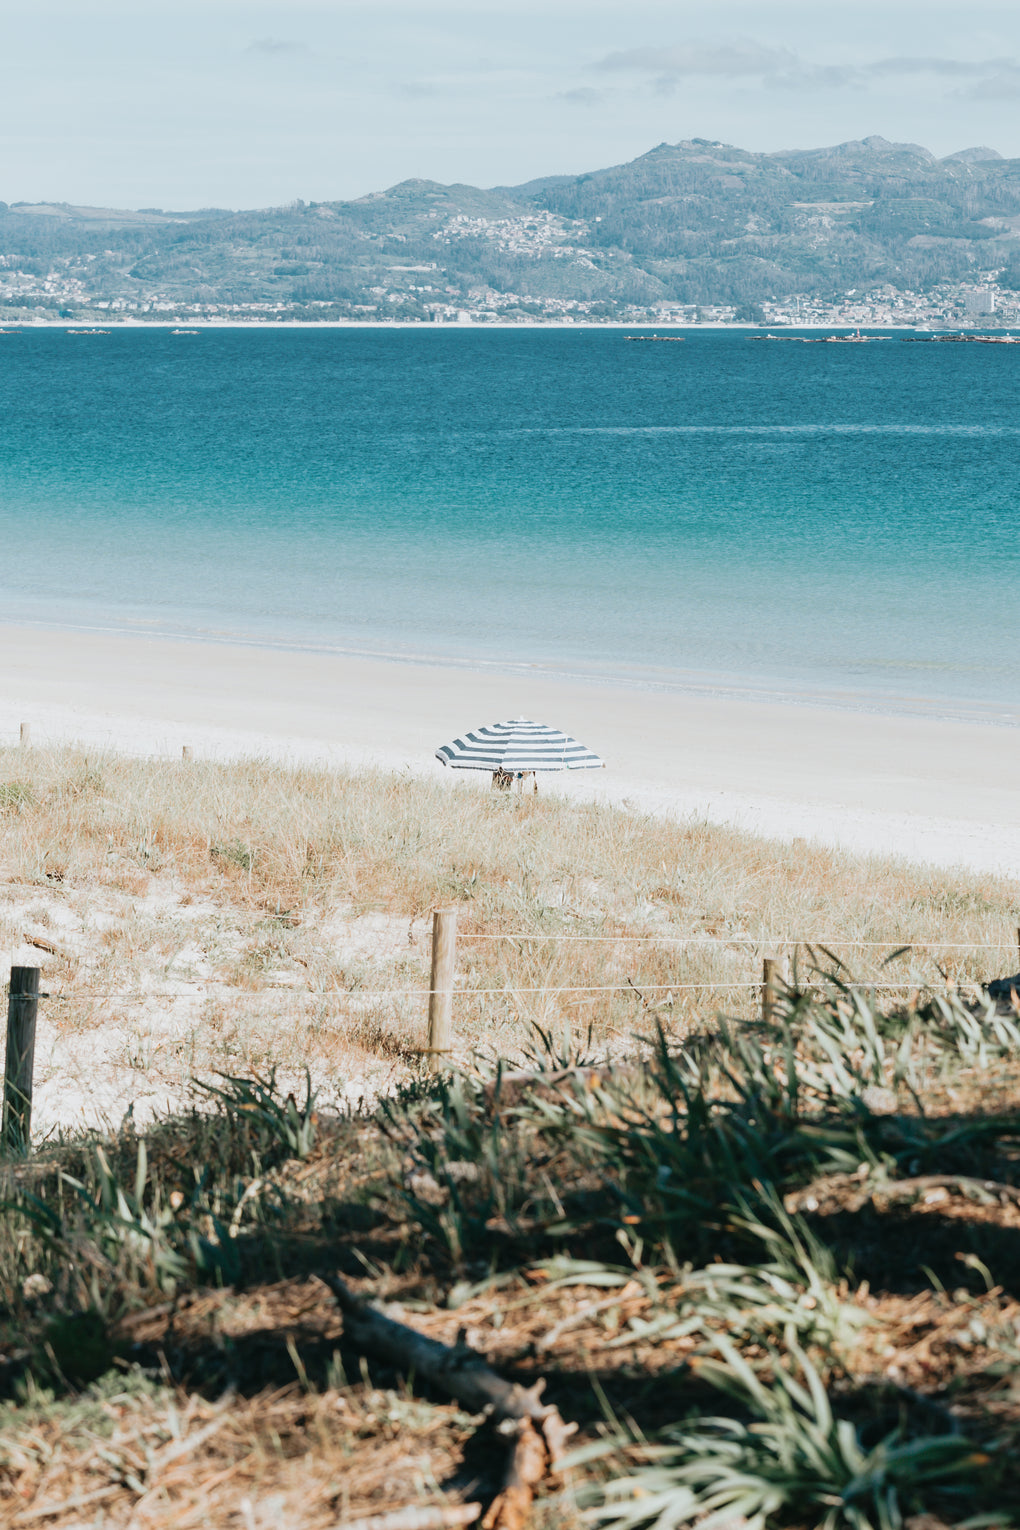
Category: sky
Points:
column 143, row 103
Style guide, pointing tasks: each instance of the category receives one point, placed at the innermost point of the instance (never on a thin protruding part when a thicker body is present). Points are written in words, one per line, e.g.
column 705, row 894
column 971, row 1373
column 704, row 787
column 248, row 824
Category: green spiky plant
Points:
column 286, row 1126
column 789, row 1458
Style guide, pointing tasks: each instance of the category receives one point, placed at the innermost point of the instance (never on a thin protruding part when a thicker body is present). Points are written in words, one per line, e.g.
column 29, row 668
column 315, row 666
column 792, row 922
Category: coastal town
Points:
column 65, row 294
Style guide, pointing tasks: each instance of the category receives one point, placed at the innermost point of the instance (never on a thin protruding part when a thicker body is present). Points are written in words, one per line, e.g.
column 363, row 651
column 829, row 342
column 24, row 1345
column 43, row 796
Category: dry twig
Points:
column 525, row 1470
column 78, row 1501
column 49, row 946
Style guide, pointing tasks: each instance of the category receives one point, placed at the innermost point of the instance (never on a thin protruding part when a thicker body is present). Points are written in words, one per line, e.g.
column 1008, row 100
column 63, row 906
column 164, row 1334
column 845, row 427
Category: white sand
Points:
column 942, row 791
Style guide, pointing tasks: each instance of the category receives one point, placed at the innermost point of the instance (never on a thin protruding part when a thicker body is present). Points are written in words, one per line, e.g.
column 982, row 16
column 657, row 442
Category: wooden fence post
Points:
column 26, row 735
column 444, row 956
column 768, row 989
column 22, row 1007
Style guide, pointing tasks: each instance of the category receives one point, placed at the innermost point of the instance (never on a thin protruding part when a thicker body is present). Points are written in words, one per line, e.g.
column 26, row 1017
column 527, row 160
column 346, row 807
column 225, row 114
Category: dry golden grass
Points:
column 239, row 915
column 285, row 1457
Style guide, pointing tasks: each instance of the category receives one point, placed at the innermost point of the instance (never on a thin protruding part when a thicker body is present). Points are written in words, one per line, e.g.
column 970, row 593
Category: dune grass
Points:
column 179, row 895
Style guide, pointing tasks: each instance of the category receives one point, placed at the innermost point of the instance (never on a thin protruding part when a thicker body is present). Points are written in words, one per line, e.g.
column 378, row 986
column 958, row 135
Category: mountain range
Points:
column 696, row 222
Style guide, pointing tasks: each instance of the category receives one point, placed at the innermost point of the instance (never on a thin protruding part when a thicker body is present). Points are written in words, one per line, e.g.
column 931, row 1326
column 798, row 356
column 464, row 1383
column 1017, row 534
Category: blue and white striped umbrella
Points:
column 516, row 747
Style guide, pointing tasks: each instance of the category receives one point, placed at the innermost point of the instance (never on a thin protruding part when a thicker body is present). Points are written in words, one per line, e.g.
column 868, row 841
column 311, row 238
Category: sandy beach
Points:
column 940, row 791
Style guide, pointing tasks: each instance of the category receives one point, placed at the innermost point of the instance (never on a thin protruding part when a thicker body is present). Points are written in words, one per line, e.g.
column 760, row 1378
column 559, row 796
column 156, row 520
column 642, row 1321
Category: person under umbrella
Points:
column 515, row 750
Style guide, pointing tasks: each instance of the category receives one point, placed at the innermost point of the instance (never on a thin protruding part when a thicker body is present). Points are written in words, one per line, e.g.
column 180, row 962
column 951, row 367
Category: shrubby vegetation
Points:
column 731, row 1260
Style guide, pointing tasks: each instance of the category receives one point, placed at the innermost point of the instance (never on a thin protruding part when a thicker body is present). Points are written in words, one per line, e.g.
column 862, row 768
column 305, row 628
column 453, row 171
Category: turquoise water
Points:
column 806, row 520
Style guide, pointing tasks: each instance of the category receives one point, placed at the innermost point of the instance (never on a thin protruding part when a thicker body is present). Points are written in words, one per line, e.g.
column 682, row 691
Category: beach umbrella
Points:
column 512, row 750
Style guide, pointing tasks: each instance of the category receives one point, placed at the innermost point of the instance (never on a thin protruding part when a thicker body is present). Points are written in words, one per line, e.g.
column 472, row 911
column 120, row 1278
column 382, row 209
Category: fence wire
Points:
column 761, row 943
column 510, row 991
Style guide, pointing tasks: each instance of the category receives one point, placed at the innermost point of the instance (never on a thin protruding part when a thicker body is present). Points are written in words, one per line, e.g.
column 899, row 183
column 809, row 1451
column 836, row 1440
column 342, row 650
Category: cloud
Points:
column 584, row 95
column 980, row 79
column 819, row 77
column 952, row 67
column 783, row 69
column 420, row 90
column 727, row 59
column 274, row 45
column 1002, row 85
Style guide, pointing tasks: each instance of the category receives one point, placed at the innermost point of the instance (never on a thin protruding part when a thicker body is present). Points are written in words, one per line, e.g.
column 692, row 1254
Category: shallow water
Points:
column 837, row 521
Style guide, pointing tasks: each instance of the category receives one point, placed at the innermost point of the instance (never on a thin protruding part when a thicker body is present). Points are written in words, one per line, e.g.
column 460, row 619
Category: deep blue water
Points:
column 801, row 518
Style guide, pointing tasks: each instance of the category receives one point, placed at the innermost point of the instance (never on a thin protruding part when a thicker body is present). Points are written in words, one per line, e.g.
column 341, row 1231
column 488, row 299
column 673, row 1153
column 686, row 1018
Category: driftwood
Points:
column 537, row 1431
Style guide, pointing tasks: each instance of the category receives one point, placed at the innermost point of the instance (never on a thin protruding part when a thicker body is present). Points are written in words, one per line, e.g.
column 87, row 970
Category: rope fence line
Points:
column 767, row 940
column 24, row 994
column 754, row 941
column 482, row 993
column 416, row 993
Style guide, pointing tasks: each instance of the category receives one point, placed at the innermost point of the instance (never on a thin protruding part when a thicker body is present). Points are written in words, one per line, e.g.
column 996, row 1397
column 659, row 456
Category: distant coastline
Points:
column 445, row 327
column 864, row 233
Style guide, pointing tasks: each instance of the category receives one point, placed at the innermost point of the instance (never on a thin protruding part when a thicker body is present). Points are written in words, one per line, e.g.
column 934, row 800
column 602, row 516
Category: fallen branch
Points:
column 539, row 1435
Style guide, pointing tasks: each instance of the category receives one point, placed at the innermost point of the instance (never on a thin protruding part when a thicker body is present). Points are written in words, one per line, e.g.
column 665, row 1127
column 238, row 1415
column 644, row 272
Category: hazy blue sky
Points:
column 228, row 103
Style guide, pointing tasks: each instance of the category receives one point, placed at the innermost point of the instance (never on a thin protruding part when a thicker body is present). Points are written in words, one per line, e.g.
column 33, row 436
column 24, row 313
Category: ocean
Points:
column 819, row 522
